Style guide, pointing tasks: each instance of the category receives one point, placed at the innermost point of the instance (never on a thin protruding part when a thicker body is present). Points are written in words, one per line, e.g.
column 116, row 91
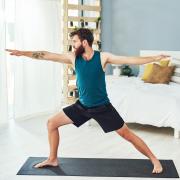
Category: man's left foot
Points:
column 46, row 163
column 157, row 166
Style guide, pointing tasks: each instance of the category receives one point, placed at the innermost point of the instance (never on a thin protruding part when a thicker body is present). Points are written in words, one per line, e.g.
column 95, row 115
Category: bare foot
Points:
column 157, row 166
column 47, row 162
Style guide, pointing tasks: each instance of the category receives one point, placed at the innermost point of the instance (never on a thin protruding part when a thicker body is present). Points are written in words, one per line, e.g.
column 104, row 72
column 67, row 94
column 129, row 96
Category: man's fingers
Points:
column 163, row 55
column 14, row 52
column 9, row 50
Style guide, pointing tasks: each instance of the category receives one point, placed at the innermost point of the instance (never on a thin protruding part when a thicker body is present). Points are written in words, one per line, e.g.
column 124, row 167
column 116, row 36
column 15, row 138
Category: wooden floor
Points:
column 29, row 138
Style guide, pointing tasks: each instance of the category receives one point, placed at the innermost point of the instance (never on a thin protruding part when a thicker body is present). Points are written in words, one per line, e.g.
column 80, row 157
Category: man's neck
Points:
column 88, row 54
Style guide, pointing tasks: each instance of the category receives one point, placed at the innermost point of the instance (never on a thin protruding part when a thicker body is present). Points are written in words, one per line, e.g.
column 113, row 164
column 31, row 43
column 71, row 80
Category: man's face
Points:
column 77, row 45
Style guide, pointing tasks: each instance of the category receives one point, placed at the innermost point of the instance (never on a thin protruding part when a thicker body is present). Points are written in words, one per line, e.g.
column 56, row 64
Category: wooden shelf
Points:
column 78, row 18
column 84, row 7
column 95, row 31
column 71, row 87
column 68, row 88
column 71, row 100
column 69, row 42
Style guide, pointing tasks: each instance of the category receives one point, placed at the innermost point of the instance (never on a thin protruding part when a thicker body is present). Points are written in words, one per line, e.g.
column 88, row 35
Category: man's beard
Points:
column 79, row 51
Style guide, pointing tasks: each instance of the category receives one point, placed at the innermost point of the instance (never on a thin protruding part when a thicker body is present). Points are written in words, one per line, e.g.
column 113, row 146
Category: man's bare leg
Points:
column 53, row 124
column 140, row 145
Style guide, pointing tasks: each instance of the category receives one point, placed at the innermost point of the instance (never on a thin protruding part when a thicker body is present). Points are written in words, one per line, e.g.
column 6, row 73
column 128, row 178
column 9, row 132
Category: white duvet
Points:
column 145, row 103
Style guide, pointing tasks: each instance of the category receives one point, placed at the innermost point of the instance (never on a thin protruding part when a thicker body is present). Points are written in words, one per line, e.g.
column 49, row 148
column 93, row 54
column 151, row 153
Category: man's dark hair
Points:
column 83, row 34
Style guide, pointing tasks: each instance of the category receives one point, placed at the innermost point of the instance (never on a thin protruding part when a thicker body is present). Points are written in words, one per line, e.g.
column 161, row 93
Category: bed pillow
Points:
column 148, row 68
column 147, row 71
column 160, row 74
column 164, row 63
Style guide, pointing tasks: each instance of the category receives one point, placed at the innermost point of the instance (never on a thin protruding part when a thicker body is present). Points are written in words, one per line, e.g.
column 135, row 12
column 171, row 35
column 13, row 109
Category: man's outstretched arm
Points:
column 44, row 55
column 114, row 59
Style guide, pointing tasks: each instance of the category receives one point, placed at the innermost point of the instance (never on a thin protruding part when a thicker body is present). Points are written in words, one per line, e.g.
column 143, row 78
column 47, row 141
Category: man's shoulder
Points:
column 105, row 55
column 72, row 57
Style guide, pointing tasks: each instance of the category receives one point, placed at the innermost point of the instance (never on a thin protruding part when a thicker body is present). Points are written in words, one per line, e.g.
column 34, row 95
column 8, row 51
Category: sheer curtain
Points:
column 3, row 72
column 37, row 83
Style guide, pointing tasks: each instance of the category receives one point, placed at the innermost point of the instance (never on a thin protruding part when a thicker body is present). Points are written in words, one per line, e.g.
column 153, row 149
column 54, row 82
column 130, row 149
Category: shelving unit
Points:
column 78, row 15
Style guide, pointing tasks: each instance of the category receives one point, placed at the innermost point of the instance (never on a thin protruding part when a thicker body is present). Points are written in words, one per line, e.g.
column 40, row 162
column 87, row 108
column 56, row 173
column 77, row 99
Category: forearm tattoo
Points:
column 38, row 55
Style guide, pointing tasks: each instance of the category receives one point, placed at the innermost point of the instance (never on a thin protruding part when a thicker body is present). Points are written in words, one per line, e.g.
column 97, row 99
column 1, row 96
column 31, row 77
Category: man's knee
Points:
column 51, row 125
column 125, row 133
column 58, row 120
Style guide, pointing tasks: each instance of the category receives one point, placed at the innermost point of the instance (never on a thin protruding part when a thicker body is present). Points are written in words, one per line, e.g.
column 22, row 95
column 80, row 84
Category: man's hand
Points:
column 161, row 57
column 15, row 52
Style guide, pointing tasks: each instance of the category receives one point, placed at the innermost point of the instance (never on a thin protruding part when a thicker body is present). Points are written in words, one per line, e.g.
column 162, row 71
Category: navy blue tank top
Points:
column 90, row 81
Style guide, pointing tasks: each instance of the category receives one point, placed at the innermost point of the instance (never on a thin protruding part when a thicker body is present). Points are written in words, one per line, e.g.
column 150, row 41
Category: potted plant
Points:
column 75, row 28
column 126, row 70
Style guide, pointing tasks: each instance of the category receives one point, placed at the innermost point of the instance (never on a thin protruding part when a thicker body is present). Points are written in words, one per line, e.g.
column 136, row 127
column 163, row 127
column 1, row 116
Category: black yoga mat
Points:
column 99, row 167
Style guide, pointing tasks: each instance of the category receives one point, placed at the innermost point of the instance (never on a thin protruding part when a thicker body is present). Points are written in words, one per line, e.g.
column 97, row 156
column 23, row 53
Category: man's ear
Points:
column 84, row 43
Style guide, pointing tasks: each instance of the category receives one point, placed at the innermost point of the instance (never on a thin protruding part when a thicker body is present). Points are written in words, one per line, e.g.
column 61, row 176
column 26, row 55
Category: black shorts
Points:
column 106, row 115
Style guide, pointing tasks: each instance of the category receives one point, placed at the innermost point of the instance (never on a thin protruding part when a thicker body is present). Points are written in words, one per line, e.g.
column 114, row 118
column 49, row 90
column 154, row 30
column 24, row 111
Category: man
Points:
column 93, row 99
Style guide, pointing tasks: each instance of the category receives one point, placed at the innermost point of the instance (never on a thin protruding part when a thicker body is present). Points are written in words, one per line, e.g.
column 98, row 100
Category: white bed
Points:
column 146, row 103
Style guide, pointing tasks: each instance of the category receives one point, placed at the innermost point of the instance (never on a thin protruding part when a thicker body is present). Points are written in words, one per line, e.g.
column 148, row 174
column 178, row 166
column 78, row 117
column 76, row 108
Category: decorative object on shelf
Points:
column 82, row 22
column 70, row 71
column 117, row 69
column 75, row 28
column 86, row 24
column 73, row 71
column 126, row 70
column 71, row 93
column 99, row 45
column 70, row 48
column 98, row 22
column 71, row 23
column 76, row 93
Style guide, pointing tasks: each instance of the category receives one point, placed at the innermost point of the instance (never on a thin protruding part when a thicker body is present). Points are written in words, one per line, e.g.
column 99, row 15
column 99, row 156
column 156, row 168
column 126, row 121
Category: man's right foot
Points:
column 47, row 162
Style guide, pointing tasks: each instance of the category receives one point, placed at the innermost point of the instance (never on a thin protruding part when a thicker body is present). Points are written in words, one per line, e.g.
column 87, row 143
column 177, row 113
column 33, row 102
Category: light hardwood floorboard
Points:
column 20, row 140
